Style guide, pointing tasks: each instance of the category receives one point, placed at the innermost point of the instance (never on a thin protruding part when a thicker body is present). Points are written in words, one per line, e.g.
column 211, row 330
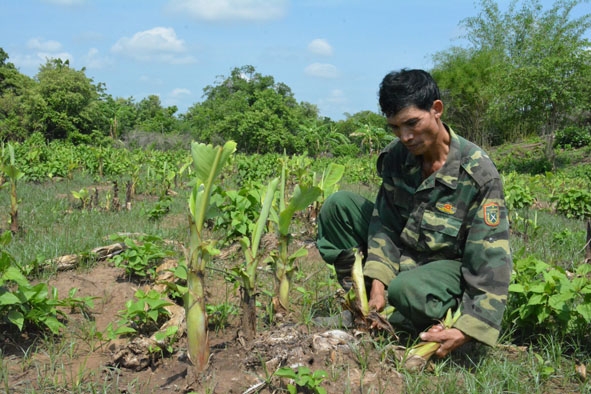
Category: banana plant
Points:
column 417, row 357
column 9, row 169
column 208, row 162
column 328, row 183
column 356, row 300
column 83, row 195
column 282, row 262
column 247, row 273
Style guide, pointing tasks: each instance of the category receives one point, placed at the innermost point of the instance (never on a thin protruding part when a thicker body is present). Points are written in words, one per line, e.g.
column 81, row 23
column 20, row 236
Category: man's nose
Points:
column 406, row 134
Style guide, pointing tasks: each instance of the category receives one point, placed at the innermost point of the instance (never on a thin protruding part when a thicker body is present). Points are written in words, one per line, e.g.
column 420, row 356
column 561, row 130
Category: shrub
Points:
column 573, row 136
column 573, row 203
column 346, row 150
column 542, row 297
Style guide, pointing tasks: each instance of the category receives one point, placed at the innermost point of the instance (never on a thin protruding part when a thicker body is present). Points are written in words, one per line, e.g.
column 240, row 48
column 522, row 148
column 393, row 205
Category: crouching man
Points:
column 437, row 235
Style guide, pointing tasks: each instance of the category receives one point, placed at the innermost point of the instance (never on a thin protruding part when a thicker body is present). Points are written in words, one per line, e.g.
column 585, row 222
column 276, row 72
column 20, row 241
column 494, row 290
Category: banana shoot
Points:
column 208, row 162
column 417, row 356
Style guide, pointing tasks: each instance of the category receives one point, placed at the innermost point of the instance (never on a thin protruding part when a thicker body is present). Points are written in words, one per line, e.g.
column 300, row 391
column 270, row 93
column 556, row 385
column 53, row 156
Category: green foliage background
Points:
column 520, row 72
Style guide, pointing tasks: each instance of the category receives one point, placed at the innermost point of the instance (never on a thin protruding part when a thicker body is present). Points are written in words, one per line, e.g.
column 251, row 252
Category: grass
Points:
column 53, row 225
column 552, row 238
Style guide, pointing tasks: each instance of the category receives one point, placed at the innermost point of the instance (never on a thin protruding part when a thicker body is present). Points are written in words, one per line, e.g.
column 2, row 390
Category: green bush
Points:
column 542, row 298
column 346, row 150
column 517, row 193
column 573, row 203
column 573, row 137
column 21, row 303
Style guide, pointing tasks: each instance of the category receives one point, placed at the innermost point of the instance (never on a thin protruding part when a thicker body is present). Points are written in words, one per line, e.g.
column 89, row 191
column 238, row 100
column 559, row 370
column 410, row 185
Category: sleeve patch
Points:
column 491, row 214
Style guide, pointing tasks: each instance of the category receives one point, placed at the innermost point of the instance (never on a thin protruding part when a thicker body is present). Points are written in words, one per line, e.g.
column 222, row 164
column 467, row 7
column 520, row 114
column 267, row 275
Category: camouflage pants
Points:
column 421, row 295
column 343, row 221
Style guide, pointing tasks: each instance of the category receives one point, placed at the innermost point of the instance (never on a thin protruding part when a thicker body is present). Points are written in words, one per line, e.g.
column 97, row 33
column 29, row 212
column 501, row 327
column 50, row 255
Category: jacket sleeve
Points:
column 383, row 254
column 486, row 267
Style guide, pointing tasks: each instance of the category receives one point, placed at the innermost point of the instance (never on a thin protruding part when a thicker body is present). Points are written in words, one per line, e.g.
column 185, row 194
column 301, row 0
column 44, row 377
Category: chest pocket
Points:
column 439, row 233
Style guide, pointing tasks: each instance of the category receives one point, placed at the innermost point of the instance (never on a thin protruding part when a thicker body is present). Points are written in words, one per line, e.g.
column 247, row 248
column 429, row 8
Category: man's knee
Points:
column 399, row 293
column 335, row 203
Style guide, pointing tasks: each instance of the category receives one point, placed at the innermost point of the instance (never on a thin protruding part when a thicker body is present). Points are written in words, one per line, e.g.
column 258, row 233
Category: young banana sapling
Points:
column 208, row 162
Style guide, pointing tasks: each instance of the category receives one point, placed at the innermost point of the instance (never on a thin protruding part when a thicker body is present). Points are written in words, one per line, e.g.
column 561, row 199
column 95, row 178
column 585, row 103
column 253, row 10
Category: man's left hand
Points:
column 450, row 338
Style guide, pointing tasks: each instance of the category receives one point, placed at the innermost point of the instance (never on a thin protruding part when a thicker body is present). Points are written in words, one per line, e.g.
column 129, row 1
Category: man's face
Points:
column 417, row 129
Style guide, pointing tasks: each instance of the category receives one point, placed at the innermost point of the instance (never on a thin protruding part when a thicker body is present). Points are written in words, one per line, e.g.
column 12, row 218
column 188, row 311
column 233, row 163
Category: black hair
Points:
column 405, row 88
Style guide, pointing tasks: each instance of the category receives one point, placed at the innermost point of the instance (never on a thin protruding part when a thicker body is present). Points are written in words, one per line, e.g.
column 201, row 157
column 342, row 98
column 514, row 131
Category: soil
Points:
column 83, row 356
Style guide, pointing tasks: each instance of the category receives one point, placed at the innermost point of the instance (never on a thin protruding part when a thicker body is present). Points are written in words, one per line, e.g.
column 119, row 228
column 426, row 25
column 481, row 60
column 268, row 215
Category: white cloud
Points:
column 46, row 46
column 180, row 92
column 320, row 46
column 161, row 39
column 159, row 44
column 224, row 10
column 321, row 70
column 40, row 51
column 29, row 62
column 94, row 60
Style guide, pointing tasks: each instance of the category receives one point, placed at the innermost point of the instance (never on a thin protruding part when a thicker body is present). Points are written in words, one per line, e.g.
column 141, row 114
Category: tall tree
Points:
column 532, row 68
column 68, row 106
column 122, row 115
column 16, row 97
column 251, row 109
column 152, row 116
column 372, row 139
column 465, row 77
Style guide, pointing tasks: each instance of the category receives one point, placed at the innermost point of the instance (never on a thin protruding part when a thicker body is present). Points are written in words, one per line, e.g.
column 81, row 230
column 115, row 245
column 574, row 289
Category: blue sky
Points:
column 331, row 53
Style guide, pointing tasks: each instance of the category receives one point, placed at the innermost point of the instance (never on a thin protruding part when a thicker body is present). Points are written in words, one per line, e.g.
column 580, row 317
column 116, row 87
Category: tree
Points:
column 532, row 69
column 251, row 109
column 465, row 78
column 15, row 100
column 152, row 116
column 67, row 105
column 372, row 139
column 122, row 115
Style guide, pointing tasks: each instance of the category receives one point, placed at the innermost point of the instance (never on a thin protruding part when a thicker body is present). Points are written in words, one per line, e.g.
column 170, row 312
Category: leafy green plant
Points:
column 281, row 260
column 328, row 184
column 21, row 303
column 142, row 315
column 83, row 304
column 517, row 193
column 303, row 378
column 141, row 258
column 519, row 200
column 237, row 210
column 167, row 337
column 9, row 168
column 247, row 271
column 219, row 315
column 573, row 203
column 82, row 195
column 573, row 137
column 160, row 209
column 543, row 297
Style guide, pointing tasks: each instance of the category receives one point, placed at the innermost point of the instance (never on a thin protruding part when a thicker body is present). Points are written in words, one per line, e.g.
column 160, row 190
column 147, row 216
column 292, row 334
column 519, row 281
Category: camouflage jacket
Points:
column 457, row 213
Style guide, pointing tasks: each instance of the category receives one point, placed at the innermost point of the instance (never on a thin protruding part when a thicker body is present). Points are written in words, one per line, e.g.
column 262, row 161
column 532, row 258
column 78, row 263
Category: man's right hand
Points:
column 377, row 296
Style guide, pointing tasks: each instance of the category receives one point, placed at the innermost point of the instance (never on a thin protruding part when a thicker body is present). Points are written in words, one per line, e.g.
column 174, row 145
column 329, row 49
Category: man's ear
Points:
column 437, row 107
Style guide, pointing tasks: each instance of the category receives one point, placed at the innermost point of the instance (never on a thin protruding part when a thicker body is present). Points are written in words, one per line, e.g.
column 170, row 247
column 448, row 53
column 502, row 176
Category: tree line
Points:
column 523, row 71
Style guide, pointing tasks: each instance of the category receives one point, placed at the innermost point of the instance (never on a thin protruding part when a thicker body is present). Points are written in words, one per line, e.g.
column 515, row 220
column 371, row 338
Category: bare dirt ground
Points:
column 84, row 355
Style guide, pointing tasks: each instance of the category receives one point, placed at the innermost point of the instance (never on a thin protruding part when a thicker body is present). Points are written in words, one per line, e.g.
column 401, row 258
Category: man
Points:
column 437, row 236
